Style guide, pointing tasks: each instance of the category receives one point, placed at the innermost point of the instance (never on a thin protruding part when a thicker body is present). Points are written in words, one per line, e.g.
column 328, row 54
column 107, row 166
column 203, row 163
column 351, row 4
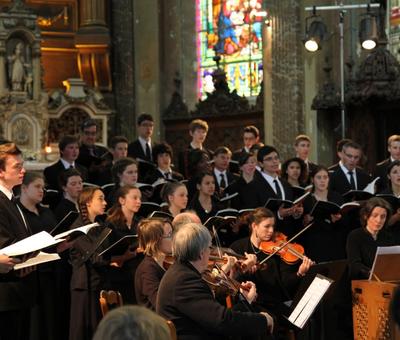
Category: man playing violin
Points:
column 186, row 299
column 277, row 281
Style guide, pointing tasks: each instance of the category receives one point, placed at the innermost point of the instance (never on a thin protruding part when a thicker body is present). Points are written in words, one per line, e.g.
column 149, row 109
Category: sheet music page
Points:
column 30, row 244
column 42, row 257
column 84, row 229
column 309, row 301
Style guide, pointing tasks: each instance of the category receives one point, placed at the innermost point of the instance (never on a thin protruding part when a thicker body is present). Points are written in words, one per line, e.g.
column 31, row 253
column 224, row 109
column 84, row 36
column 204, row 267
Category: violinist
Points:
column 277, row 282
column 155, row 238
column 186, row 299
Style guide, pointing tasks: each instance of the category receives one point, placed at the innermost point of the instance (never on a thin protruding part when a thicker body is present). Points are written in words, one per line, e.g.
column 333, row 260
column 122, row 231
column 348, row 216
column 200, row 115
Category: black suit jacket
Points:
column 135, row 150
column 52, row 174
column 15, row 293
column 381, row 171
column 185, row 299
column 154, row 175
column 338, row 180
column 231, row 178
column 263, row 191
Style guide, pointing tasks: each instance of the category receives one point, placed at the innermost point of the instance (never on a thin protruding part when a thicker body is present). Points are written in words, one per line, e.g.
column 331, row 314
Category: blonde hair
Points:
column 150, row 234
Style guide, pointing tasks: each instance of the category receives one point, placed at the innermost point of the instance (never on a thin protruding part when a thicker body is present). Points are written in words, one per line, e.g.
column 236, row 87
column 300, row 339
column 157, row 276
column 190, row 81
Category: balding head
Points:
column 184, row 218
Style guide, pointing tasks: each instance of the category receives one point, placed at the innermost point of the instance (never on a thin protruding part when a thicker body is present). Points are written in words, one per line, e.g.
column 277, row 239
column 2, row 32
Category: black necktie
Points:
column 278, row 189
column 167, row 175
column 222, row 183
column 352, row 181
column 71, row 166
column 148, row 152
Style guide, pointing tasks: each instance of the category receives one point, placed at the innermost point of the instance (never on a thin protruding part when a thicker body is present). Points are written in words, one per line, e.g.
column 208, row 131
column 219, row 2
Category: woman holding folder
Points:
column 88, row 268
column 123, row 221
column 325, row 240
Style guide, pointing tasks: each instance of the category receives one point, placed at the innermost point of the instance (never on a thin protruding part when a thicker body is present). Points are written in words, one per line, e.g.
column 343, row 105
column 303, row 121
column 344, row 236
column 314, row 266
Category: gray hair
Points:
column 188, row 216
column 132, row 323
column 189, row 241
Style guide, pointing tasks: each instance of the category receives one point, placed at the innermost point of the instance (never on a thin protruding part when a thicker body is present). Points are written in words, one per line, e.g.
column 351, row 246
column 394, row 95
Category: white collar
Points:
column 219, row 173
column 6, row 192
column 66, row 164
column 345, row 170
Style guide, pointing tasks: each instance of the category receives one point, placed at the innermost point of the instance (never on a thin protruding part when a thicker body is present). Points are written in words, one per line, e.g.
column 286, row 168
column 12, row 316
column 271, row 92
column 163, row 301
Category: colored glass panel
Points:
column 232, row 29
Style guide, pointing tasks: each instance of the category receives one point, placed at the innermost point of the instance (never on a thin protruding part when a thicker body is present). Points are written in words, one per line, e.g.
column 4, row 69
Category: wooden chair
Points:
column 109, row 299
column 172, row 329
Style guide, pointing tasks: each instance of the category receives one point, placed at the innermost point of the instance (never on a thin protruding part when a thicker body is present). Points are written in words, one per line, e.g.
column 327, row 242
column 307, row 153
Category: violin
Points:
column 289, row 253
column 220, row 283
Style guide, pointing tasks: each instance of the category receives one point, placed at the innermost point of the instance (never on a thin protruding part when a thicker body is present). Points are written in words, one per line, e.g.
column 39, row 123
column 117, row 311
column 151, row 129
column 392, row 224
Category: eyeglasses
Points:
column 355, row 157
column 169, row 235
column 271, row 158
column 89, row 133
column 147, row 125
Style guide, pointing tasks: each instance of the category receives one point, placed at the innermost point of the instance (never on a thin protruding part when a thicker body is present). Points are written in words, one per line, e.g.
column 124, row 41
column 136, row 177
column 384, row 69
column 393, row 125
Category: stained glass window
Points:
column 231, row 28
column 394, row 33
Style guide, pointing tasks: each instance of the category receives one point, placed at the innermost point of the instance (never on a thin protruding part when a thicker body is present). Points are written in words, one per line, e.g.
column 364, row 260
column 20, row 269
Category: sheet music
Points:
column 84, row 229
column 309, row 301
column 30, row 244
column 42, row 257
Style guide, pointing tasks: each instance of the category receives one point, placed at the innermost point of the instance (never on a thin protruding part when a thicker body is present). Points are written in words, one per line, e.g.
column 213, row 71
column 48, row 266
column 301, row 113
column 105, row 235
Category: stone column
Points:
column 92, row 13
column 123, row 67
column 36, row 71
column 3, row 75
column 147, row 60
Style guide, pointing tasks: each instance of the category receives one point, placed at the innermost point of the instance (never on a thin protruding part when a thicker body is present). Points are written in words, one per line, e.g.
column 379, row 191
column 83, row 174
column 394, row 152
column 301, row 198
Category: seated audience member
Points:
column 142, row 146
column 71, row 185
column 347, row 176
column 124, row 172
column 162, row 155
column 186, row 299
column 155, row 239
column 69, row 152
column 132, row 323
column 204, row 202
column 381, row 169
column 302, row 145
column 119, row 149
column 176, row 196
column 88, row 268
column 222, row 176
column 198, row 130
column 363, row 242
column 294, row 172
column 269, row 185
column 95, row 158
column 123, row 219
column 251, row 136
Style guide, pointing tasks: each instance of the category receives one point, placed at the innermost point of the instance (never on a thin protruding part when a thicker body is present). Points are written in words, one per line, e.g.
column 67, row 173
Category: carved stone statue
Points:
column 17, row 68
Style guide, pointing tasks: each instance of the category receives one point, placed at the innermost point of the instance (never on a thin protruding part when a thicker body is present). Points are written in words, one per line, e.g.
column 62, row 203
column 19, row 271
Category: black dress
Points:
column 147, row 279
column 361, row 249
column 325, row 240
column 63, row 208
column 122, row 279
column 200, row 211
column 89, row 271
column 46, row 316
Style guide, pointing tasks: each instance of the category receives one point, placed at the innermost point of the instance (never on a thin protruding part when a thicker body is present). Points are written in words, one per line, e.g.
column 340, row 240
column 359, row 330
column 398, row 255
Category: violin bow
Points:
column 217, row 241
column 286, row 243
